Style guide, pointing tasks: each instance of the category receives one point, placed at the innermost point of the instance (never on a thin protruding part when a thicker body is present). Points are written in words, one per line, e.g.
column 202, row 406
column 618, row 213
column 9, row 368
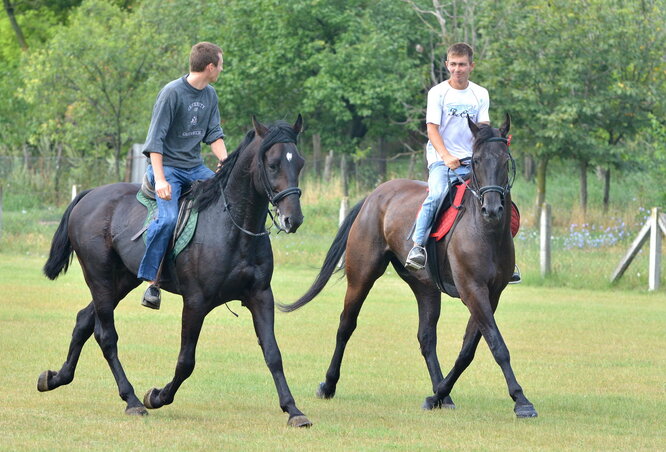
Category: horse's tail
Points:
column 61, row 248
column 333, row 256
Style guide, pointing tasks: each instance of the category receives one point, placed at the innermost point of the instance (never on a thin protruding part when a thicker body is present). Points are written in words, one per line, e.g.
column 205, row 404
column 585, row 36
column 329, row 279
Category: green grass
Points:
column 592, row 361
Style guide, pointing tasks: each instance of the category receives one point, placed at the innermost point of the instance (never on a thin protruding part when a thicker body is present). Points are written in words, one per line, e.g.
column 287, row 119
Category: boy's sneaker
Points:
column 416, row 259
column 515, row 278
column 151, row 298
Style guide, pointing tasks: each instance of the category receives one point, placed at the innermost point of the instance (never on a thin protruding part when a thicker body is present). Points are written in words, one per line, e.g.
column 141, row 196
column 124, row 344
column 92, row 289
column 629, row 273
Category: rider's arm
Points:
column 219, row 149
column 438, row 143
column 162, row 187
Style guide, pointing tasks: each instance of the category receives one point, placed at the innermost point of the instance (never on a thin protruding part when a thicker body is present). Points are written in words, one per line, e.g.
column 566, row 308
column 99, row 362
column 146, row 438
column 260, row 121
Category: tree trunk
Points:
column 26, row 156
column 412, row 163
column 316, row 154
column 343, row 176
column 381, row 160
column 327, row 166
column 58, row 171
column 583, row 186
column 17, row 28
column 542, row 166
column 129, row 161
column 607, row 178
column 528, row 168
column 0, row 210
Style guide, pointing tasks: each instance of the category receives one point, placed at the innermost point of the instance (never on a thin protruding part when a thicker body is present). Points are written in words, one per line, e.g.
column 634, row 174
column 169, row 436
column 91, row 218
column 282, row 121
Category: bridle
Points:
column 275, row 135
column 479, row 192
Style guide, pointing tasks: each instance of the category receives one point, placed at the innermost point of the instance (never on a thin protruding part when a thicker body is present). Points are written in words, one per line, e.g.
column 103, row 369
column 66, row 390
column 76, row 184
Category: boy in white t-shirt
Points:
column 449, row 140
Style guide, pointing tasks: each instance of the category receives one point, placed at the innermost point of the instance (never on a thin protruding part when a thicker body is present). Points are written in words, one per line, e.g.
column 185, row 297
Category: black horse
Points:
column 229, row 258
column 476, row 260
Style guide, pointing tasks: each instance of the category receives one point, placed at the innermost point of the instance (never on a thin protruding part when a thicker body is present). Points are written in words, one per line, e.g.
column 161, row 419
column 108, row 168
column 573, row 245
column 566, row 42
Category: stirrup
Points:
column 516, row 277
column 414, row 258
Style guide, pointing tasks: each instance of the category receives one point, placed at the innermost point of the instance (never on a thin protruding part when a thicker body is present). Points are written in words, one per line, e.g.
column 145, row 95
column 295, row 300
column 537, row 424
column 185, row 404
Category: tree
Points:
column 350, row 68
column 88, row 79
column 568, row 72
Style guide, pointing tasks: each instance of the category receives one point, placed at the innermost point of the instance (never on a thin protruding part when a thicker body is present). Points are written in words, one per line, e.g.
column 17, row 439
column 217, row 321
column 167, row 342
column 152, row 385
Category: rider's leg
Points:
column 437, row 187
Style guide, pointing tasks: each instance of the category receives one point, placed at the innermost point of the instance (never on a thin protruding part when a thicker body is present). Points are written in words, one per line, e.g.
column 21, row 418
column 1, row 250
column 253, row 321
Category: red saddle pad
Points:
column 445, row 221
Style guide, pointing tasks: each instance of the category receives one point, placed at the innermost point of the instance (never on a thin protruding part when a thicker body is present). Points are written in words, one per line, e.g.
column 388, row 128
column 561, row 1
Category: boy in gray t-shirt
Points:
column 185, row 114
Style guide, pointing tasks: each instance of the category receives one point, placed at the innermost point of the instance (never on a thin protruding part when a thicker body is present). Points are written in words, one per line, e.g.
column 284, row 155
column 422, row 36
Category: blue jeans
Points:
column 161, row 230
column 438, row 185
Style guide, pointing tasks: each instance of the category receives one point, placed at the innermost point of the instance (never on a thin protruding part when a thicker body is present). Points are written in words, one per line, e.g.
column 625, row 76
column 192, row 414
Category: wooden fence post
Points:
column 655, row 251
column 545, row 239
column 654, row 228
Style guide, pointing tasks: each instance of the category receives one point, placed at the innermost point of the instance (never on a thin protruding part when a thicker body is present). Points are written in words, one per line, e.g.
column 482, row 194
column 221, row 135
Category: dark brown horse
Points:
column 229, row 258
column 476, row 260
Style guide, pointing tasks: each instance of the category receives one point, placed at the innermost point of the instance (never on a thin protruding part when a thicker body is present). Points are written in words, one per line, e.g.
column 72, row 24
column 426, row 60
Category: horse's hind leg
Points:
column 85, row 324
column 107, row 338
column 109, row 284
column 429, row 302
column 362, row 272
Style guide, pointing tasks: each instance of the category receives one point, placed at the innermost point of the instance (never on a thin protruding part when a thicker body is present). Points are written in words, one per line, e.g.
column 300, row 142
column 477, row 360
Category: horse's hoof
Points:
column 43, row 380
column 136, row 411
column 448, row 404
column 322, row 394
column 146, row 399
column 299, row 421
column 524, row 411
column 430, row 404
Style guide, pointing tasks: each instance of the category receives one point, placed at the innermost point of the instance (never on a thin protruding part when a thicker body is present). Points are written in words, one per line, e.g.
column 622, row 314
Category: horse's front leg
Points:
column 194, row 313
column 261, row 306
column 465, row 357
column 482, row 308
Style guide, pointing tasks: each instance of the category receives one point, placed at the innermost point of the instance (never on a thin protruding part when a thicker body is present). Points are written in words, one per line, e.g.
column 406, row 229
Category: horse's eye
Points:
column 274, row 166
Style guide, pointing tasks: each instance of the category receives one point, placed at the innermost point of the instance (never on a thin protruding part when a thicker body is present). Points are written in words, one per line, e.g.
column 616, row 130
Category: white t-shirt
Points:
column 448, row 108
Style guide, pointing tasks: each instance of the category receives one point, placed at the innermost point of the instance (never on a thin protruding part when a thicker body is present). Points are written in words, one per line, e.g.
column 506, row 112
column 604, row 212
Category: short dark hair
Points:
column 461, row 49
column 202, row 55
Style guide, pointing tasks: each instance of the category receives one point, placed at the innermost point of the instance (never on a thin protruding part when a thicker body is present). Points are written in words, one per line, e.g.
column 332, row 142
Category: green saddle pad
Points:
column 185, row 233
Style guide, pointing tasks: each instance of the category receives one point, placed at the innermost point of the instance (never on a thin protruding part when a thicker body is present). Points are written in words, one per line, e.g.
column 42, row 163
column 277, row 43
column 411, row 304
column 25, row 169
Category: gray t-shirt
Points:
column 183, row 117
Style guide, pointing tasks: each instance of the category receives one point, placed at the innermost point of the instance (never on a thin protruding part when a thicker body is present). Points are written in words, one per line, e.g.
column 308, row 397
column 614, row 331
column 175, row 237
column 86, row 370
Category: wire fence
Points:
column 30, row 182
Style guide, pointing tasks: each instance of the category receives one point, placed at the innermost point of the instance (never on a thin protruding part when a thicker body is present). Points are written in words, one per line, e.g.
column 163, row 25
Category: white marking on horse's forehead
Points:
column 289, row 156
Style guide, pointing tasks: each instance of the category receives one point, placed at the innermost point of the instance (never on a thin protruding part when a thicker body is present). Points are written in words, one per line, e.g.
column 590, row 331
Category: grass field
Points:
column 592, row 362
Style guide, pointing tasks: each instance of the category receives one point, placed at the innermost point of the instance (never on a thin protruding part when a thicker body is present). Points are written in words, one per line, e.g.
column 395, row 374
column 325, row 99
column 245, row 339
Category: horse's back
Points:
column 388, row 214
column 104, row 214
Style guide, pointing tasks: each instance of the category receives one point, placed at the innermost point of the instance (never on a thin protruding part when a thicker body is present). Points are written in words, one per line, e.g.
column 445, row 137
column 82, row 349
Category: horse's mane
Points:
column 206, row 193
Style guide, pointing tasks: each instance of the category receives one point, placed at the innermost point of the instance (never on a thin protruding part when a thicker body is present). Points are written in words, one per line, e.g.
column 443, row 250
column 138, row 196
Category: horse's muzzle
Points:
column 492, row 211
column 290, row 223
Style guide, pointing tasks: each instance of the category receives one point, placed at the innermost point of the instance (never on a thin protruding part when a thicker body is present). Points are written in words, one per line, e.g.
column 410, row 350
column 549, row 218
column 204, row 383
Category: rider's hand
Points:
column 163, row 190
column 452, row 162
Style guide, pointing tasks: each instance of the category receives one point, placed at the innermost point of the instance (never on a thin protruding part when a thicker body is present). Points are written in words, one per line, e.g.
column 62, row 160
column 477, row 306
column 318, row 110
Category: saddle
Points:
column 185, row 225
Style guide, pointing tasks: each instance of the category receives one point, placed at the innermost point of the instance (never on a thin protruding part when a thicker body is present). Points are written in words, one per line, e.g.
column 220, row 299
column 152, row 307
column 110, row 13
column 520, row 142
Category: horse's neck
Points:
column 484, row 228
column 248, row 207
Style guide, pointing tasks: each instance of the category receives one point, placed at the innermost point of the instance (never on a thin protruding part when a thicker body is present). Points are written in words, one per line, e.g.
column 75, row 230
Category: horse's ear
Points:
column 472, row 126
column 504, row 128
column 298, row 125
column 259, row 127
